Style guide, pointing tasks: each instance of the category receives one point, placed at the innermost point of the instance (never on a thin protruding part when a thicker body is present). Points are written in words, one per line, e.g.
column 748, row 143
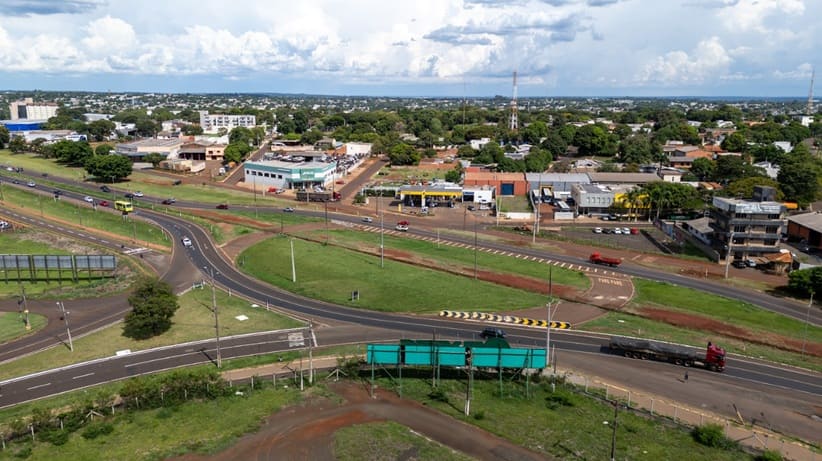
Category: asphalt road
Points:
column 747, row 374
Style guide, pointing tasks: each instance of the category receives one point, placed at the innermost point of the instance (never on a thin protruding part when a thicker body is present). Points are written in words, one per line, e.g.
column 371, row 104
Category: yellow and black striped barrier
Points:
column 504, row 319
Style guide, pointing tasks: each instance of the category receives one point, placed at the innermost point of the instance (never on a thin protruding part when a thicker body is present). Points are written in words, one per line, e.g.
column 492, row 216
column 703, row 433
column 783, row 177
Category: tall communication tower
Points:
column 514, row 122
column 810, row 94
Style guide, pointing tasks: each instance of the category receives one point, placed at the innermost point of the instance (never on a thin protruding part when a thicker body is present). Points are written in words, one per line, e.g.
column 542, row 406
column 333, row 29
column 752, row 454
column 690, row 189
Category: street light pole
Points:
column 216, row 317
column 65, row 318
column 728, row 254
column 475, row 250
column 807, row 321
column 382, row 241
column 613, row 433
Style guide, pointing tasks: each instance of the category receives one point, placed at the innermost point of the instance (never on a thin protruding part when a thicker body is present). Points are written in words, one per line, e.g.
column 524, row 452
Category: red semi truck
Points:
column 597, row 258
column 713, row 358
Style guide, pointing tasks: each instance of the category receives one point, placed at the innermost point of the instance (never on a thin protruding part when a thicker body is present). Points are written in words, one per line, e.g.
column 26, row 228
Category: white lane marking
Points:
column 83, row 376
column 38, row 386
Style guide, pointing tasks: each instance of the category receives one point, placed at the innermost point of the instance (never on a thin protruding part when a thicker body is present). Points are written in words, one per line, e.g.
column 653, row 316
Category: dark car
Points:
column 222, row 206
column 740, row 264
column 168, row 201
column 288, row 209
column 105, row 188
column 58, row 192
column 492, row 332
column 128, row 195
column 470, row 207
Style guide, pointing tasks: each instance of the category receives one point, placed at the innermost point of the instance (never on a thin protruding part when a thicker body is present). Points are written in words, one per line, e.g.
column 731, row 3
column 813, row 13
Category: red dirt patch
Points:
column 698, row 322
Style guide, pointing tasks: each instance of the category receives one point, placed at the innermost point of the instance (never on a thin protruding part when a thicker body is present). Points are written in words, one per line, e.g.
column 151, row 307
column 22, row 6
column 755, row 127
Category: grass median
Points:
column 193, row 321
column 445, row 254
column 331, row 274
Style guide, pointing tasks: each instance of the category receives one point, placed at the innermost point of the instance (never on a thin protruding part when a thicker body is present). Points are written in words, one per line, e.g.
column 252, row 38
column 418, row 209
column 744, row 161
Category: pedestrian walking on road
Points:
column 686, row 376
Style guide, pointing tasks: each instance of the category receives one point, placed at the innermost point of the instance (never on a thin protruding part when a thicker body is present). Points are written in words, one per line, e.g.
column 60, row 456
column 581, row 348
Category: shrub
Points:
column 558, row 400
column 769, row 455
column 479, row 415
column 95, row 430
column 439, row 395
column 712, row 435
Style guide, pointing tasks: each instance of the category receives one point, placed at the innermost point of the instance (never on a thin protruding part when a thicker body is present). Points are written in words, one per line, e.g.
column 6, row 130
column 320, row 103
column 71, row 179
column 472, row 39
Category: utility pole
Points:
column 216, row 316
column 293, row 266
column 65, row 315
column 475, row 249
column 382, row 242
column 807, row 321
column 728, row 255
column 310, row 354
column 613, row 431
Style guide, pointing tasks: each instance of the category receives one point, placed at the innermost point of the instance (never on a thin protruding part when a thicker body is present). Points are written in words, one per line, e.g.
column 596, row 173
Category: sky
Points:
column 455, row 48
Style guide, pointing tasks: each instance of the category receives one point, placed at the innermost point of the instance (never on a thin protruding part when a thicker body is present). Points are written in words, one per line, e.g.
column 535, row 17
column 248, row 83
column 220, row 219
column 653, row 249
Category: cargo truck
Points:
column 713, row 358
column 597, row 258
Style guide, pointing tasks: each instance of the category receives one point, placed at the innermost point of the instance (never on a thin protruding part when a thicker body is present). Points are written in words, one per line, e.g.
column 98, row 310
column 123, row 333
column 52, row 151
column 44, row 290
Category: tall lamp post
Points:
column 216, row 316
column 382, row 241
column 65, row 314
column 807, row 321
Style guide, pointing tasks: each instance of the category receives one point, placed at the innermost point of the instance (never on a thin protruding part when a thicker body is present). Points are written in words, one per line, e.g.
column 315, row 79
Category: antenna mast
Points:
column 810, row 93
column 514, row 122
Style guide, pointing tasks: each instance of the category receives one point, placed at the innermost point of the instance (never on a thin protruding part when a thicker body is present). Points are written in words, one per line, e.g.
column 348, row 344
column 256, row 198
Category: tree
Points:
column 103, row 149
column 147, row 127
column 735, row 142
column 109, row 167
column 595, row 140
column 5, row 137
column 154, row 158
column 555, row 144
column 240, row 134
column 729, row 168
column 454, row 175
column 704, row 169
column 636, row 148
column 799, row 179
column 743, row 188
column 192, row 129
column 404, row 154
column 100, row 130
column 236, row 152
column 806, row 281
column 17, row 144
column 71, row 152
column 153, row 304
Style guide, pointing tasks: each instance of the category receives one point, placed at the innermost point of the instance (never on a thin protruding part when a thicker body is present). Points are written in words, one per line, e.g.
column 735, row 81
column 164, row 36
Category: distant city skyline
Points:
column 428, row 48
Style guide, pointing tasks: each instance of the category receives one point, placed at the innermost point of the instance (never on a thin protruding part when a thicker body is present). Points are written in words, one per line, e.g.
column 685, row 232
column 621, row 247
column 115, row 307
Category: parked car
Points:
column 105, row 188
column 288, row 209
column 222, row 206
column 367, row 219
column 617, row 230
column 597, row 230
column 103, row 203
column 740, row 264
column 626, row 231
column 492, row 332
column 471, row 208
column 88, row 199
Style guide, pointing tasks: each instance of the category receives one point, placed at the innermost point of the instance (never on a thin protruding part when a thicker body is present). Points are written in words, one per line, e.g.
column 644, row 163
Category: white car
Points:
column 367, row 219
column 617, row 230
column 88, row 199
column 626, row 231
column 186, row 242
column 597, row 230
column 31, row 184
column 138, row 194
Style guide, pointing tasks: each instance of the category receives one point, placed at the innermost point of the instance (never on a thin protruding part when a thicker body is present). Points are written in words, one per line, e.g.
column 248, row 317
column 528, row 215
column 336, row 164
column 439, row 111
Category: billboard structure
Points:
column 33, row 268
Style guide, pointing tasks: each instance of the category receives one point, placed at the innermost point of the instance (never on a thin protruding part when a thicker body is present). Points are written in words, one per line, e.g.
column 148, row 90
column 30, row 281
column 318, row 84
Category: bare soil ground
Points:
column 306, row 432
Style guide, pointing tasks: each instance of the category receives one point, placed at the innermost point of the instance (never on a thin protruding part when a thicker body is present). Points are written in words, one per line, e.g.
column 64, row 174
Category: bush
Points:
column 55, row 437
column 479, row 415
column 439, row 395
column 712, row 435
column 95, row 430
column 769, row 455
column 558, row 400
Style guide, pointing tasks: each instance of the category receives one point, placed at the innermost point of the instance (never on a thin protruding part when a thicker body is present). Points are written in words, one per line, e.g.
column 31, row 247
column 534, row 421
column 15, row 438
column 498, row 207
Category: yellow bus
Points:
column 124, row 206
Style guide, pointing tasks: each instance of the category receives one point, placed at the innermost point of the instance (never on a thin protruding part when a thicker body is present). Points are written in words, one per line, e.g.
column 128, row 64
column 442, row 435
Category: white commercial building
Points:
column 27, row 109
column 211, row 123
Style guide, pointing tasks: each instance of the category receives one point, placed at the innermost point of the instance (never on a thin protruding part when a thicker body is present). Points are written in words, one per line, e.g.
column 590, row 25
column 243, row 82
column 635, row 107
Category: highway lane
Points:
column 204, row 255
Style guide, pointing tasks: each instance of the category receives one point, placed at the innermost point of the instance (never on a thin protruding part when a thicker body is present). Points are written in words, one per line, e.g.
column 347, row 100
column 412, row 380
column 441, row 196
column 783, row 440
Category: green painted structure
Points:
column 455, row 354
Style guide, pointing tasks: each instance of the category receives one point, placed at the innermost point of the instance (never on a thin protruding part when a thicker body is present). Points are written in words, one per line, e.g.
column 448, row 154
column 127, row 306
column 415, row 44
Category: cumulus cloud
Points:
column 753, row 15
column 709, row 59
column 801, row 72
column 47, row 7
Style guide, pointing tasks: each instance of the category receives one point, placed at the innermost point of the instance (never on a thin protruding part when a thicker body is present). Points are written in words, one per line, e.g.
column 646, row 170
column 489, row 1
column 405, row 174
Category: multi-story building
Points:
column 137, row 150
column 288, row 175
column 211, row 123
column 27, row 109
column 748, row 228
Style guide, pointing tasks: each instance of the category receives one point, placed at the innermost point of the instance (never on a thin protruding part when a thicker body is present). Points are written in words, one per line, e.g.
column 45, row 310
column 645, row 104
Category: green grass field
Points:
column 192, row 321
column 723, row 309
column 574, row 431
column 83, row 215
column 449, row 255
column 204, row 427
column 388, row 440
column 13, row 325
column 331, row 274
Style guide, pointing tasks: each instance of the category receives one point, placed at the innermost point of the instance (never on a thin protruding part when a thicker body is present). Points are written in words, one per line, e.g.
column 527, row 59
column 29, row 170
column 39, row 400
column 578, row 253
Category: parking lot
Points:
column 644, row 237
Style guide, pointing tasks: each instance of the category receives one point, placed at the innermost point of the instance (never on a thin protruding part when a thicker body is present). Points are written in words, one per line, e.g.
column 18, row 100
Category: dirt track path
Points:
column 306, row 432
